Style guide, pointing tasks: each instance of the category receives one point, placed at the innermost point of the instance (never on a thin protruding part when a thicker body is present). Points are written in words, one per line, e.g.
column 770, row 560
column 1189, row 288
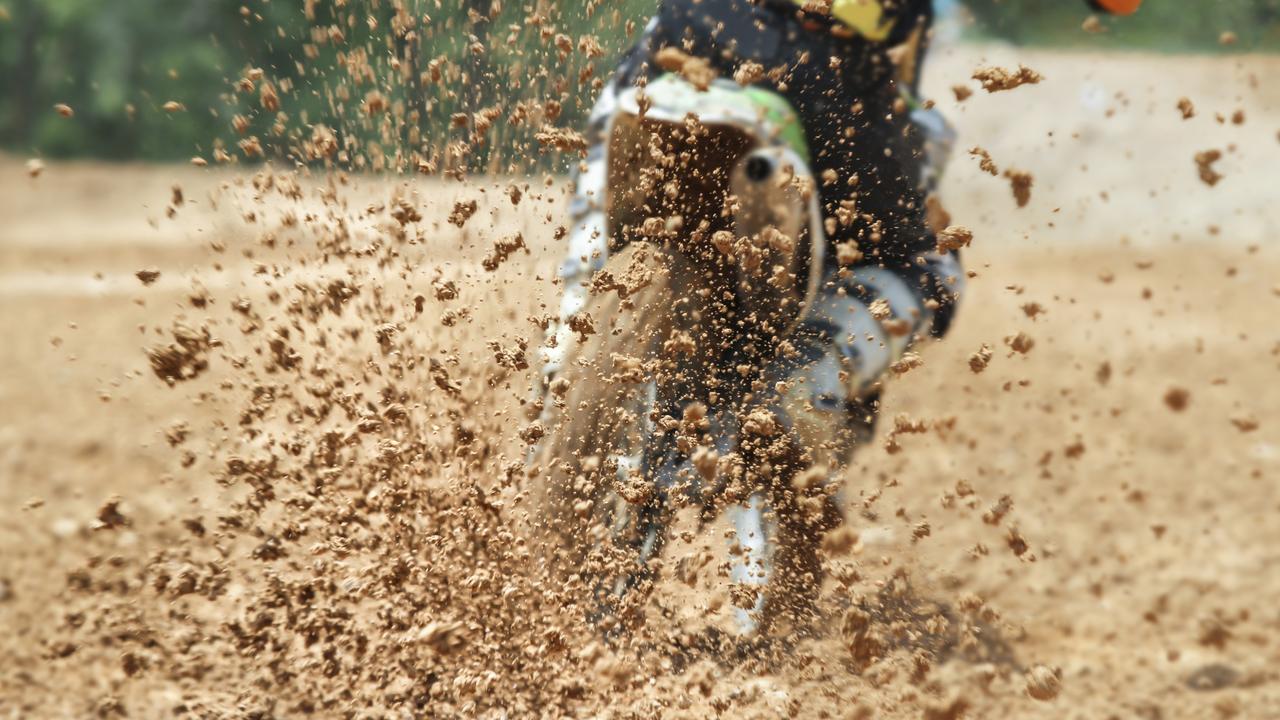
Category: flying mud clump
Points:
column 1204, row 166
column 184, row 358
column 997, row 79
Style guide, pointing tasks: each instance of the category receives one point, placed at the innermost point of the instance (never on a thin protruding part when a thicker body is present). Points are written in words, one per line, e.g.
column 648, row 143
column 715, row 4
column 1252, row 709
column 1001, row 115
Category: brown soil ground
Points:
column 1138, row 439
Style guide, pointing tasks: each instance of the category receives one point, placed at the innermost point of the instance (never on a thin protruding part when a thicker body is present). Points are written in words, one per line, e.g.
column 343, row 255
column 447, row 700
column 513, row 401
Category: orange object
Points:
column 1120, row 7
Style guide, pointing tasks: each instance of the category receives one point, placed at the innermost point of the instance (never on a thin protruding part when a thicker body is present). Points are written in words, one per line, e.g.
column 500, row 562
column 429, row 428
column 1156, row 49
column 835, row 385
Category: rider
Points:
column 850, row 70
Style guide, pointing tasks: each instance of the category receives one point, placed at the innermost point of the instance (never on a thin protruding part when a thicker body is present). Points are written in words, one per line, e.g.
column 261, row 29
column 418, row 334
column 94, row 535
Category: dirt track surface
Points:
column 1137, row 441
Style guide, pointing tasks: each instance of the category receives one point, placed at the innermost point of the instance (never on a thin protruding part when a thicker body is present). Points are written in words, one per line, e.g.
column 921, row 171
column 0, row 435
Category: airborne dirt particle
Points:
column 1103, row 374
column 1204, row 166
column 462, row 212
column 1177, row 398
column 847, row 253
column 583, row 324
column 1020, row 183
column 696, row 70
column 561, row 139
column 1017, row 543
column 1033, row 310
column 1020, row 343
column 980, row 358
column 1043, row 682
column 445, row 289
column 748, row 73
column 109, row 516
column 996, row 79
column 184, row 358
column 908, row 362
column 953, row 238
column 985, row 163
column 502, row 250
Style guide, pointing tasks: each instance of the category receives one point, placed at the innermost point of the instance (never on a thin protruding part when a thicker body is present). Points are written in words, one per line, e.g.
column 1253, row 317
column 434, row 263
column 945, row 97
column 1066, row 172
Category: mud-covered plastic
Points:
column 709, row 189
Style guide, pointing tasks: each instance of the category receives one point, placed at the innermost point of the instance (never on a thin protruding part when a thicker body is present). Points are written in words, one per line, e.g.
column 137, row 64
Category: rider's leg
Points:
column 825, row 396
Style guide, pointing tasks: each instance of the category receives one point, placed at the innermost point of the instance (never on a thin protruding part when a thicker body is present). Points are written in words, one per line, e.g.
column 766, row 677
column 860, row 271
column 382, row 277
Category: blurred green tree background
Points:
column 118, row 62
column 1161, row 25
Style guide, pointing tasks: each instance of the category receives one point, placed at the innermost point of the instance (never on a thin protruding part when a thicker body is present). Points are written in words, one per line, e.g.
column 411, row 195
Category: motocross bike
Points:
column 671, row 393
